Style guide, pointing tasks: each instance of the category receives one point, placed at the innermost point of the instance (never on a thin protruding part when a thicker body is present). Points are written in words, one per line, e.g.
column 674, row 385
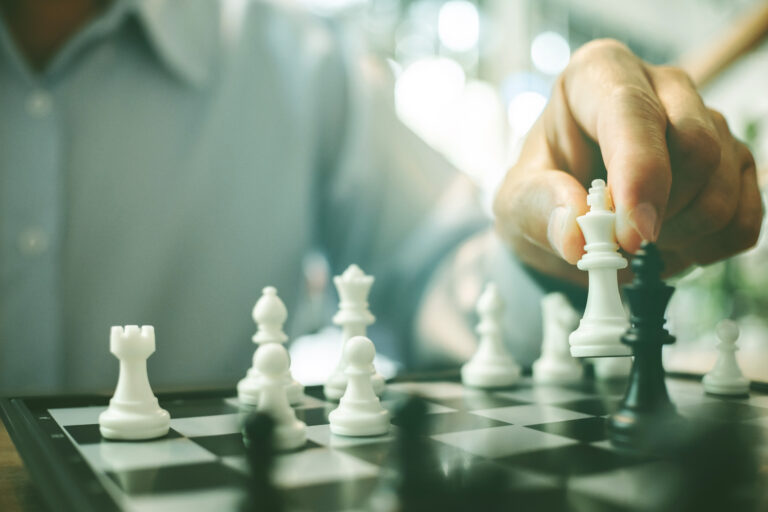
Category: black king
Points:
column 646, row 411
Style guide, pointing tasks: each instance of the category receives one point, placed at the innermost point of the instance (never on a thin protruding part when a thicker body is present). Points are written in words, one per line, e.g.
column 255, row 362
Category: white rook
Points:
column 133, row 411
column 605, row 320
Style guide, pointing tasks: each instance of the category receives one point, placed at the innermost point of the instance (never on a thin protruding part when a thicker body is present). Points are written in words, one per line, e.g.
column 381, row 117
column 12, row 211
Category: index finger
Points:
column 613, row 101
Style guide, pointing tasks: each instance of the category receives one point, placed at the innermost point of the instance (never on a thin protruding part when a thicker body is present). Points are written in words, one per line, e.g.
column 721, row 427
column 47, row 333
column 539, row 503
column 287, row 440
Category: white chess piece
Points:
column 270, row 315
column 604, row 320
column 556, row 364
column 726, row 377
column 272, row 362
column 607, row 368
column 354, row 317
column 492, row 365
column 359, row 412
column 133, row 411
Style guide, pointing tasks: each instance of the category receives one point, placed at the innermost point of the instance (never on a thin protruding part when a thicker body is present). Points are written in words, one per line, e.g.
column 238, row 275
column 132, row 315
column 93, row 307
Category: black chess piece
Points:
column 258, row 438
column 646, row 411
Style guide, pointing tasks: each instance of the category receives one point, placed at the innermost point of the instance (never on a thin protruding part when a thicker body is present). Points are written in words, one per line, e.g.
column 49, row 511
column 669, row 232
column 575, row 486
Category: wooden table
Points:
column 17, row 493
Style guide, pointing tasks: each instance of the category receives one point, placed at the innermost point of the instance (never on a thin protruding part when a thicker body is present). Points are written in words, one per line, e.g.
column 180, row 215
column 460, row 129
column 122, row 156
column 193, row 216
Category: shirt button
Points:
column 39, row 104
column 33, row 241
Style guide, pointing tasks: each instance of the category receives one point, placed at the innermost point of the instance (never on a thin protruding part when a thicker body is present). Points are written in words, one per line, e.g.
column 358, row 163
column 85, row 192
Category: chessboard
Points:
column 549, row 442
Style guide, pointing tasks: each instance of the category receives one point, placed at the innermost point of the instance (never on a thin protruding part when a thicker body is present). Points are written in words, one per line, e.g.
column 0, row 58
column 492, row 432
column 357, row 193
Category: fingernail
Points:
column 644, row 218
column 556, row 229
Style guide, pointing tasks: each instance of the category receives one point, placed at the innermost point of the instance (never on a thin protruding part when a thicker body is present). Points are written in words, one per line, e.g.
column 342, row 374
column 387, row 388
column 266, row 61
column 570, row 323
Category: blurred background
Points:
column 471, row 76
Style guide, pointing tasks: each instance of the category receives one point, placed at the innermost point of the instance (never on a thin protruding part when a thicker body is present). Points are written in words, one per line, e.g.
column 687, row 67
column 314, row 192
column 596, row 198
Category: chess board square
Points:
column 90, row 434
column 319, row 465
column 333, row 496
column 601, row 406
column 760, row 401
column 77, row 415
column 321, row 434
column 545, row 395
column 502, row 441
column 314, row 415
column 225, row 445
column 457, row 422
column 219, row 498
column 530, row 414
column 574, row 459
column 176, row 478
column 392, row 405
column 203, row 407
column 479, row 400
column 626, row 487
column 429, row 390
column 723, row 410
column 208, row 425
column 375, row 453
column 586, row 430
column 129, row 455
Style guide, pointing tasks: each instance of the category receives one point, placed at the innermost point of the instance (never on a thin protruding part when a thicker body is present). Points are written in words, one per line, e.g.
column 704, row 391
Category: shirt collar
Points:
column 184, row 33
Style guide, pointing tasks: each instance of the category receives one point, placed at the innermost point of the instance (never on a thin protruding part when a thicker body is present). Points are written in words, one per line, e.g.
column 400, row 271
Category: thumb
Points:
column 541, row 208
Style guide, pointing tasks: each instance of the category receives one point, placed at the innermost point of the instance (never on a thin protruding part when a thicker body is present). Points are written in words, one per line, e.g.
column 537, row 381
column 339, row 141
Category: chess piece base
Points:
column 493, row 375
column 118, row 423
column 632, row 430
column 359, row 423
column 556, row 372
column 739, row 387
column 599, row 338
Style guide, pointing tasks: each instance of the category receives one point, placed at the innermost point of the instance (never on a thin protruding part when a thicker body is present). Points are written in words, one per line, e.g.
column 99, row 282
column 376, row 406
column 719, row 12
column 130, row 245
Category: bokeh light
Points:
column 550, row 52
column 458, row 25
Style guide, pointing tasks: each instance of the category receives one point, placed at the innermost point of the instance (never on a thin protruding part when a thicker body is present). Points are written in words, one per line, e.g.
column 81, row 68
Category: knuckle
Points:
column 720, row 122
column 676, row 75
column 600, row 48
column 699, row 144
column 714, row 212
column 640, row 99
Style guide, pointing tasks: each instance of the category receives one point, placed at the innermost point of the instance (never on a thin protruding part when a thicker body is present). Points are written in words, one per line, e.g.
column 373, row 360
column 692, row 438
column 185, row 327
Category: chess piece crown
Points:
column 353, row 287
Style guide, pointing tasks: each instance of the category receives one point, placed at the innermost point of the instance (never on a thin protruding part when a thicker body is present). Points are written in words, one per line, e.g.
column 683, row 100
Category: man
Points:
column 162, row 161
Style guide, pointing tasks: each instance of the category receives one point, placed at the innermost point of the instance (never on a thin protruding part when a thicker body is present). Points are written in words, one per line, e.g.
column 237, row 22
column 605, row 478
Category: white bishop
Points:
column 270, row 315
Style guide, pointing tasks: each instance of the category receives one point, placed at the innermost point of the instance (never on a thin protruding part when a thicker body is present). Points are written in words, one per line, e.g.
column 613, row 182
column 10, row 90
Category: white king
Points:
column 605, row 319
column 354, row 317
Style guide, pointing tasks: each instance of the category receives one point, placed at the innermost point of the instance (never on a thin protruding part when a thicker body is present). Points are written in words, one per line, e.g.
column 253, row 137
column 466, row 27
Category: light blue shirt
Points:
column 176, row 157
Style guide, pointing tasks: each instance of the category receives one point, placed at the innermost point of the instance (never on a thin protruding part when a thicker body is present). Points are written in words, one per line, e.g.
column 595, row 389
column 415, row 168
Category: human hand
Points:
column 677, row 175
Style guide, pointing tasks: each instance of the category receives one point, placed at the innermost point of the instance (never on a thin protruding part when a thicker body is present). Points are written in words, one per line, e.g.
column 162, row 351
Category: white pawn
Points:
column 359, row 412
column 271, row 361
column 556, row 364
column 726, row 377
column 492, row 365
column 354, row 317
column 133, row 411
column 270, row 315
